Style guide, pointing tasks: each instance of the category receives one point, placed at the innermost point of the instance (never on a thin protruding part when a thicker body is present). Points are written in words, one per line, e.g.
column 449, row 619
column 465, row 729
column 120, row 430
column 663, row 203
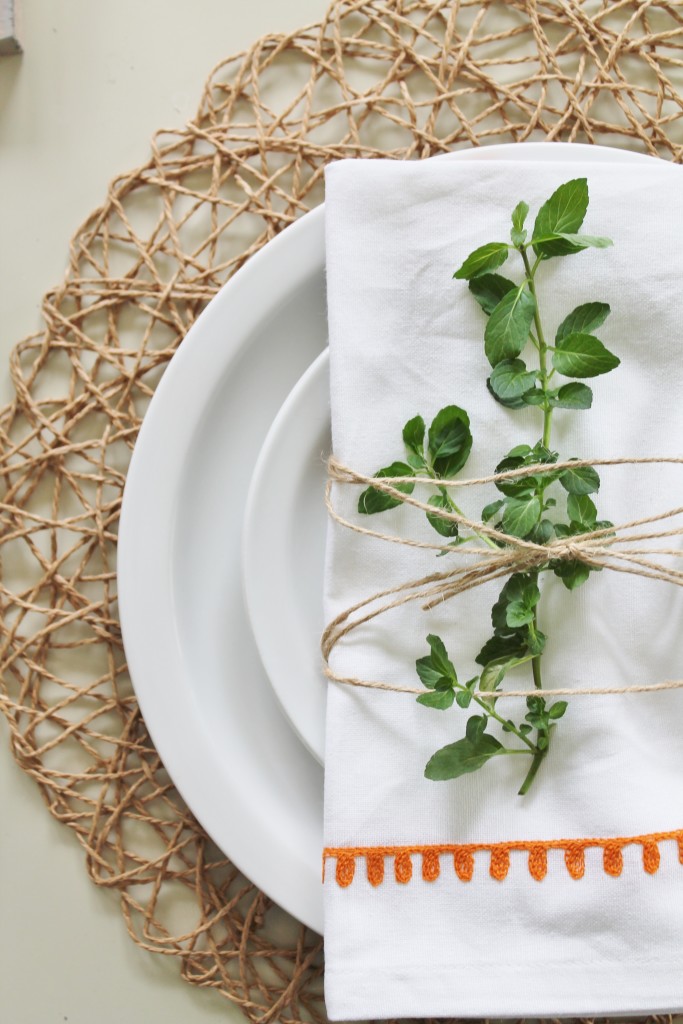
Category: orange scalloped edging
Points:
column 499, row 862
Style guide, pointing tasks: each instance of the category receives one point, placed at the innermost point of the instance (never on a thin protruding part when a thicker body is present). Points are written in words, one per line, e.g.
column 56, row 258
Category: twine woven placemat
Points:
column 394, row 78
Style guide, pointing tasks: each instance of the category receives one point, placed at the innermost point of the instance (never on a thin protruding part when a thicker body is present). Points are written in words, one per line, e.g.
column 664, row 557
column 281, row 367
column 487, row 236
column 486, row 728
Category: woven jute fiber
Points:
column 395, row 78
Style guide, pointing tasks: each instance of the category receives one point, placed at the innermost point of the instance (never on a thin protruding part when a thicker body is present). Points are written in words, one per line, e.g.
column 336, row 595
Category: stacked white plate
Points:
column 221, row 558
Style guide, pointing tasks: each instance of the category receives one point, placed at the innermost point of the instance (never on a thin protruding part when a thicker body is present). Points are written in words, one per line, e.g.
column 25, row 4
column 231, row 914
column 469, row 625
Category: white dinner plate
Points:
column 285, row 498
column 196, row 670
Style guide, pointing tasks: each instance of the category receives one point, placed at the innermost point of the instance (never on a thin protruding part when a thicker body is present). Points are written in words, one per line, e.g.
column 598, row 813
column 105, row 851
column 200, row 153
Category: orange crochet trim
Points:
column 499, row 861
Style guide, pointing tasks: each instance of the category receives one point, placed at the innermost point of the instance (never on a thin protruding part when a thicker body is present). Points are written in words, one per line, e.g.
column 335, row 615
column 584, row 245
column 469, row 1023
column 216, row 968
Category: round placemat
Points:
column 381, row 78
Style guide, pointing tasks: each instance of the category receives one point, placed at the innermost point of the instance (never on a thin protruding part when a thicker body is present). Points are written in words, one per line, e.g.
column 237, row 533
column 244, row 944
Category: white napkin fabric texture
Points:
column 407, row 339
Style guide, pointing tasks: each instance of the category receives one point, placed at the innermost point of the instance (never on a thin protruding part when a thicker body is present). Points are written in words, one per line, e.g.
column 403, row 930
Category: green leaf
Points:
column 519, row 614
column 581, row 509
column 494, row 673
column 508, row 326
column 584, row 241
column 475, row 728
column 583, row 355
column 519, row 588
column 521, row 515
column 450, row 440
column 429, row 676
column 439, row 699
column 511, row 379
column 489, row 511
column 460, row 758
column 563, row 212
column 536, row 642
column 583, row 320
column 440, row 659
column 536, row 397
column 582, row 480
column 515, row 485
column 497, row 646
column 507, row 403
column 414, row 437
column 372, row 500
column 444, row 527
column 463, row 698
column 572, row 573
column 557, row 709
column 489, row 289
column 574, row 396
column 483, row 260
column 544, row 531
column 519, row 214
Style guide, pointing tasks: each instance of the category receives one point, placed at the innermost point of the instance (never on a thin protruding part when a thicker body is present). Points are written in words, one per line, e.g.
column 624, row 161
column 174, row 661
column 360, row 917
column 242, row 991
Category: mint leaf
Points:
column 372, row 500
column 563, row 212
column 429, row 676
column 508, row 326
column 414, row 437
column 483, row 260
column 450, row 441
column 440, row 659
column 574, row 396
column 512, row 646
column 439, row 699
column 583, row 355
column 494, row 673
column 583, row 320
column 519, row 614
column 557, row 709
column 519, row 214
column 584, row 241
column 489, row 511
column 582, row 480
column 444, row 527
column 461, row 758
column 511, row 379
column 489, row 289
column 521, row 515
column 581, row 509
column 572, row 573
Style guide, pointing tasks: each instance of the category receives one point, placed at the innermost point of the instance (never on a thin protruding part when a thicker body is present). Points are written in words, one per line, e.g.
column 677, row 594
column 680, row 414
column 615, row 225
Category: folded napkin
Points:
column 548, row 923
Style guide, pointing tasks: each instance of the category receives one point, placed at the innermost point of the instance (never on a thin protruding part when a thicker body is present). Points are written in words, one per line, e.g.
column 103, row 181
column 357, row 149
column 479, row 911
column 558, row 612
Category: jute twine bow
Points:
column 604, row 548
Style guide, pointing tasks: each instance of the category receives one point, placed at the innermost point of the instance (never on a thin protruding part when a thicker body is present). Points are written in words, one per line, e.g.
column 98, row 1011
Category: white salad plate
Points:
column 198, row 676
column 286, row 500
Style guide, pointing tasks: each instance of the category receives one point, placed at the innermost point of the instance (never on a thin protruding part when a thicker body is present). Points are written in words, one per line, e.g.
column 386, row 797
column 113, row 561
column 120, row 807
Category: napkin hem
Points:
column 520, row 989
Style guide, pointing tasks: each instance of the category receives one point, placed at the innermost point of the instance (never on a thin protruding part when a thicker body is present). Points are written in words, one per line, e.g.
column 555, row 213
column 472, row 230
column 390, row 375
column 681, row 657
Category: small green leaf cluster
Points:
column 512, row 309
column 438, row 675
column 439, row 453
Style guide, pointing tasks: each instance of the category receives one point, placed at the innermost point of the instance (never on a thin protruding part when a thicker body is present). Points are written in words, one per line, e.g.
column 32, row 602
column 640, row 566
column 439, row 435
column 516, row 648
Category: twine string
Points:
column 603, row 548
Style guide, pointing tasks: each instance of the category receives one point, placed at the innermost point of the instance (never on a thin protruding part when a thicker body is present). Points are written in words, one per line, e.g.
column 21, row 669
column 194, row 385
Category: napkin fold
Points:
column 536, row 921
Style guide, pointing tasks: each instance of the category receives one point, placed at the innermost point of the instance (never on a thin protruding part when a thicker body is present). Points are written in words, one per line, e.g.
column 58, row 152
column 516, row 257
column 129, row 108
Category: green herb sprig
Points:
column 528, row 506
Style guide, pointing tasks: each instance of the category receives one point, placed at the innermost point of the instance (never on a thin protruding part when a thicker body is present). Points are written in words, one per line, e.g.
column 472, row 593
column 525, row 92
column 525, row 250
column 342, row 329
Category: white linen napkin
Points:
column 406, row 339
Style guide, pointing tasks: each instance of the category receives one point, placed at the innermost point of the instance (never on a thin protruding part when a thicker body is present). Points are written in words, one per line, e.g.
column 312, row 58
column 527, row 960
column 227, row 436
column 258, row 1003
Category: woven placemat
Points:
column 394, row 78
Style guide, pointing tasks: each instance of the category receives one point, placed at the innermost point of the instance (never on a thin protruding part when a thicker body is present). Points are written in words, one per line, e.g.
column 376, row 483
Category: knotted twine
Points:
column 601, row 548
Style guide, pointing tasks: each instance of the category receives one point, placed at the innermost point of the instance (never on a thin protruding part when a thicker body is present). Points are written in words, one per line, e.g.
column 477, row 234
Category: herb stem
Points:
column 454, row 508
column 547, row 426
column 487, row 705
column 531, row 774
column 542, row 346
